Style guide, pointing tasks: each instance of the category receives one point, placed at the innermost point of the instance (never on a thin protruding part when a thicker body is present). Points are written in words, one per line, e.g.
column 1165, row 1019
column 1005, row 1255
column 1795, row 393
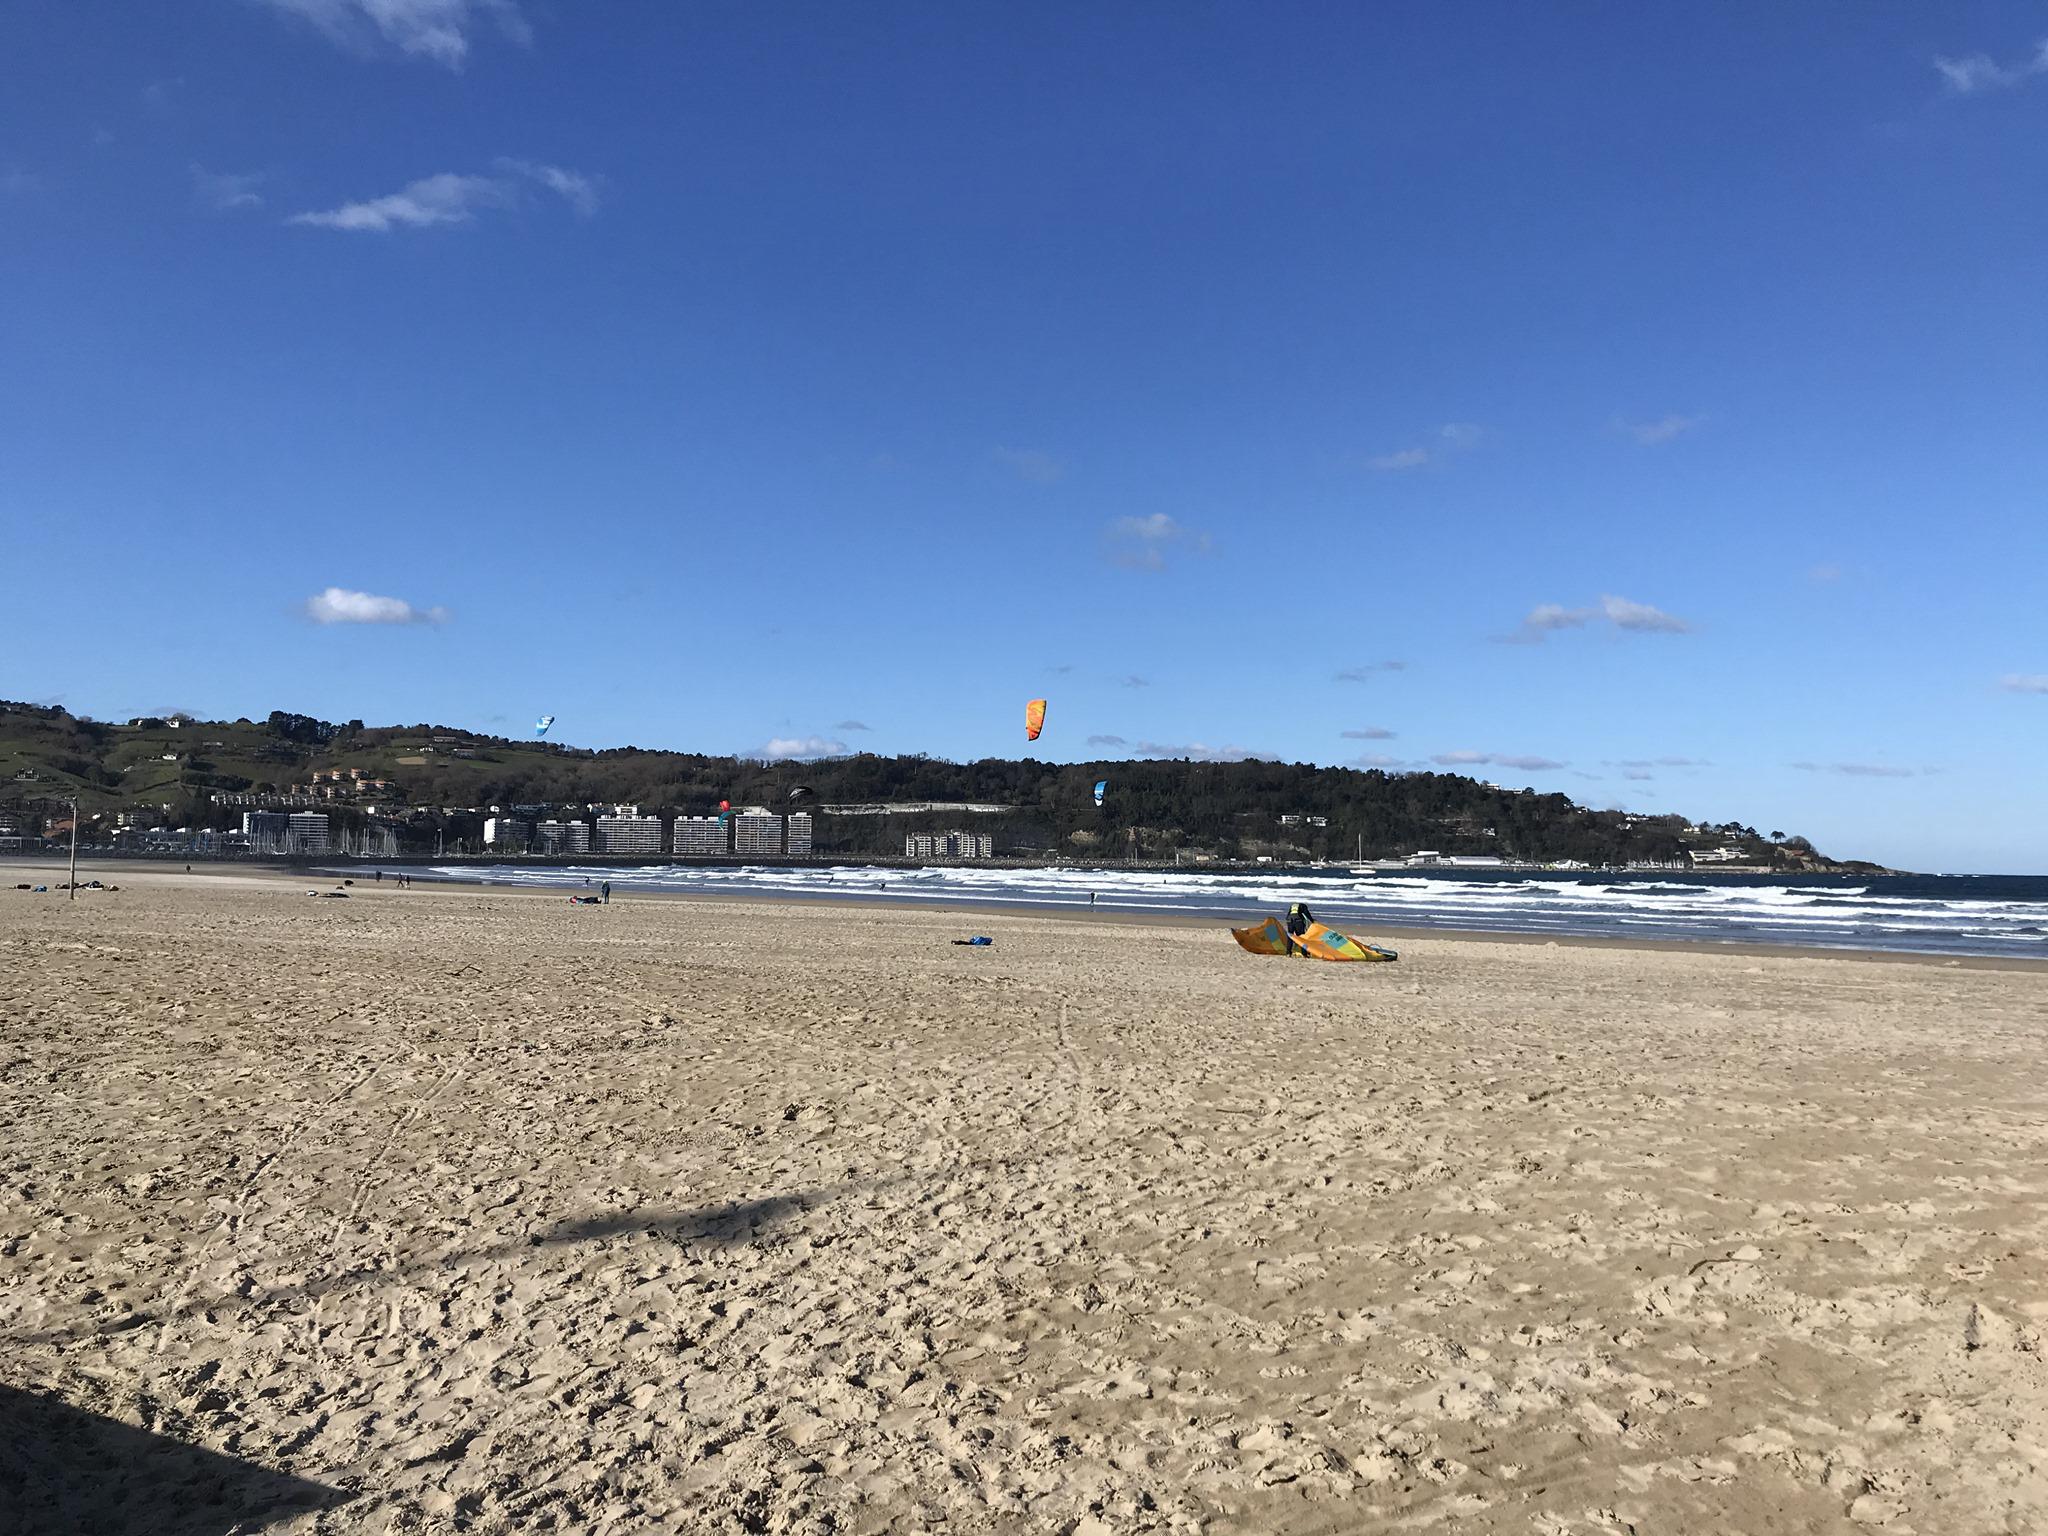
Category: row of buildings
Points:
column 949, row 845
column 751, row 833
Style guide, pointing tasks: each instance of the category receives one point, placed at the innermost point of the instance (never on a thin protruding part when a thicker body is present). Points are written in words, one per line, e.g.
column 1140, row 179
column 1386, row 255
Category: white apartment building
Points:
column 756, row 832
column 629, row 833
column 799, row 841
column 949, row 845
column 701, row 837
column 308, row 832
column 562, row 837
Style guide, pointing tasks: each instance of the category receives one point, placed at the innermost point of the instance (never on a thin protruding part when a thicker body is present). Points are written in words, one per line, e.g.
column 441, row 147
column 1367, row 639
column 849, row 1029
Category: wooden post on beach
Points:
column 74, row 850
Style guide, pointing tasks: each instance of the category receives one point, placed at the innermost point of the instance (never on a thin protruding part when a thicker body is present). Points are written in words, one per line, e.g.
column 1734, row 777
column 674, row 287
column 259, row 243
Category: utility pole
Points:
column 74, row 849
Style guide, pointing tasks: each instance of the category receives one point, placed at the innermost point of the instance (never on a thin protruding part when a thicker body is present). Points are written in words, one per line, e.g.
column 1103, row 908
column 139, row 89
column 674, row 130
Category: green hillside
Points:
column 441, row 781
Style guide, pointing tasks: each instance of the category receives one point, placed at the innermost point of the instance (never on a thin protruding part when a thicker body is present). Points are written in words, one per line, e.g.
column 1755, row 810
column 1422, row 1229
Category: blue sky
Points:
column 1646, row 400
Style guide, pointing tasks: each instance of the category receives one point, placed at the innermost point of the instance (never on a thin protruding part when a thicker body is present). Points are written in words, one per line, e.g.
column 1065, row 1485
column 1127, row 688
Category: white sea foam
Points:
column 1857, row 916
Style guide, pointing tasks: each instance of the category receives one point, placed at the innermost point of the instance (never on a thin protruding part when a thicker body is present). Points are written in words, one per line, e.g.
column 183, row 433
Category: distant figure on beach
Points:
column 604, row 890
column 380, row 877
column 1091, row 898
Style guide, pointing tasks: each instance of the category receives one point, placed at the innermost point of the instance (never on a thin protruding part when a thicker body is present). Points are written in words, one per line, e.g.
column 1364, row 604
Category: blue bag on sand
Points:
column 977, row 942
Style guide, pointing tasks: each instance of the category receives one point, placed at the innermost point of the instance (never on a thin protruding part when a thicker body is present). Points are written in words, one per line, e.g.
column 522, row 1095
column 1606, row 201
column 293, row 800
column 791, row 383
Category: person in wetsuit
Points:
column 1298, row 920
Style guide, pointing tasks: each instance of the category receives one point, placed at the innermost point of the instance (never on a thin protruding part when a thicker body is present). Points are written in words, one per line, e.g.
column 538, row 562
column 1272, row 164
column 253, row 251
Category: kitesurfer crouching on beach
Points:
column 1298, row 919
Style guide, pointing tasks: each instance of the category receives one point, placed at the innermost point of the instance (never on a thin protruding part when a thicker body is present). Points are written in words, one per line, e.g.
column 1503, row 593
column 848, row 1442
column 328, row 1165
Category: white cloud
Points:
column 1651, row 433
column 852, row 725
column 1623, row 613
column 1033, row 464
column 2024, row 682
column 436, row 30
column 1863, row 770
column 1498, row 759
column 339, row 605
column 1638, row 773
column 574, row 188
column 1369, row 733
column 1549, row 616
column 224, row 190
column 1379, row 760
column 784, row 749
column 1107, row 741
column 1365, row 673
column 1403, row 458
column 1194, row 751
column 1452, row 437
column 1642, row 617
column 1664, row 762
column 1147, row 543
column 1135, row 681
column 449, row 198
column 1978, row 72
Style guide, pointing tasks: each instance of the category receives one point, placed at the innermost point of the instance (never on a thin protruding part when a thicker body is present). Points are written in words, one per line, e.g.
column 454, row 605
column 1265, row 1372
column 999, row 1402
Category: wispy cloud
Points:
column 1401, row 458
column 162, row 95
column 1148, row 543
column 16, row 182
column 1497, row 759
column 1379, row 760
column 1033, row 464
column 2024, row 682
column 1450, row 438
column 1663, row 762
column 1642, row 774
column 1135, row 681
column 1107, row 741
column 1623, row 613
column 852, row 725
column 1978, row 72
column 1193, row 751
column 224, row 190
column 1368, row 733
column 782, row 749
column 339, row 605
column 435, row 30
column 580, row 192
column 1365, row 673
column 449, row 198
column 1663, row 430
column 1864, row 770
column 1826, row 574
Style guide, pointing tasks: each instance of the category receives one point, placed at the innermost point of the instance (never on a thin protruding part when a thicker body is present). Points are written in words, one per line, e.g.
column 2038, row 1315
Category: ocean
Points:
column 2002, row 915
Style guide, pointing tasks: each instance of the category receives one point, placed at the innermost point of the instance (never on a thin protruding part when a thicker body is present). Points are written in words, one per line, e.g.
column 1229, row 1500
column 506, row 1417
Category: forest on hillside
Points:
column 442, row 781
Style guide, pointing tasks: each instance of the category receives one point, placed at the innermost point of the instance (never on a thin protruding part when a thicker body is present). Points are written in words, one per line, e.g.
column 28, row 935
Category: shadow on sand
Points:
column 64, row 1471
column 729, row 1224
column 736, row 1221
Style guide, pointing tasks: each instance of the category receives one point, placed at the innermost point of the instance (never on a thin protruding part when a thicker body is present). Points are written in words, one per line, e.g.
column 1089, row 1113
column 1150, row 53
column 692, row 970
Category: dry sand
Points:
column 462, row 1210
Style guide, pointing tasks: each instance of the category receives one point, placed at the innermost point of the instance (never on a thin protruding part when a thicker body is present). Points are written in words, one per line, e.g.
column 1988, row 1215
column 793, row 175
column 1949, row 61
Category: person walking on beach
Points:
column 604, row 890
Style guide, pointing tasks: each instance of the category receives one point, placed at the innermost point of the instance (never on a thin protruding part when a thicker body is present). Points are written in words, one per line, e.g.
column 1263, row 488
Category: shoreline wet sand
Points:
column 461, row 1208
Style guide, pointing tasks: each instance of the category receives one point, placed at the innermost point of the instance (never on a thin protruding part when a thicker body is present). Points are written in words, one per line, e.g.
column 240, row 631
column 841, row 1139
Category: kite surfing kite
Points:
column 1034, row 719
column 540, row 726
column 1101, row 788
column 1306, row 939
column 801, row 792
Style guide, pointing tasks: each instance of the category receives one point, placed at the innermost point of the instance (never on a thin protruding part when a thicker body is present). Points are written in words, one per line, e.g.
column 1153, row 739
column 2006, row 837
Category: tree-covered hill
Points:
column 440, row 781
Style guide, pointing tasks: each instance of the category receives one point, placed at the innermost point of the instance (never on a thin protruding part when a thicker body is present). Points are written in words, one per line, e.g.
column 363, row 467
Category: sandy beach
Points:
column 469, row 1210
